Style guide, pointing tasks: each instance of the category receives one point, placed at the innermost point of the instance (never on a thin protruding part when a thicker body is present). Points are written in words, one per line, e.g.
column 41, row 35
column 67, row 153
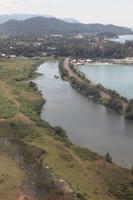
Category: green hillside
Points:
column 39, row 26
column 38, row 162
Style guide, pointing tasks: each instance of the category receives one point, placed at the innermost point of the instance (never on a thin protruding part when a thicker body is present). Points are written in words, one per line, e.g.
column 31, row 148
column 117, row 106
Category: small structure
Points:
column 12, row 56
column 79, row 37
column 3, row 55
column 88, row 60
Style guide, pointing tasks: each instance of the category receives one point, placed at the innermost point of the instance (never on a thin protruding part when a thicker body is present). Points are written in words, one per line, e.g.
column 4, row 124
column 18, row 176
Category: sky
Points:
column 117, row 12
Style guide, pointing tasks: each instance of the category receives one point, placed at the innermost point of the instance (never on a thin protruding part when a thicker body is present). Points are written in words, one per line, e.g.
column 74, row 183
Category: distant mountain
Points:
column 71, row 20
column 19, row 17
column 39, row 26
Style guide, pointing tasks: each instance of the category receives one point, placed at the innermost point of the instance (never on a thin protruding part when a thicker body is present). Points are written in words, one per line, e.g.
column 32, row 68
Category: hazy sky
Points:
column 89, row 11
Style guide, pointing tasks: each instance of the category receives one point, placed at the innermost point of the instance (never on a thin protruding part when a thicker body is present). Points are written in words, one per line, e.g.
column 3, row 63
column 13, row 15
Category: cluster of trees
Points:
column 93, row 91
column 86, row 89
column 115, row 104
column 63, row 71
column 92, row 46
column 129, row 110
column 114, row 94
column 108, row 157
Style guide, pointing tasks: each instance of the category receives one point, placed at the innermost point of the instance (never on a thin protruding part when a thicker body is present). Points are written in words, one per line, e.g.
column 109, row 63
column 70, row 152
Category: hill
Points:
column 39, row 26
column 38, row 161
column 21, row 17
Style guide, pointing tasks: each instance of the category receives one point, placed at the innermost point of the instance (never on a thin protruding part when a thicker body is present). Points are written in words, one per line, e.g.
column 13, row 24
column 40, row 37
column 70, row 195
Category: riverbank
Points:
column 109, row 98
column 20, row 127
column 54, row 162
column 102, row 129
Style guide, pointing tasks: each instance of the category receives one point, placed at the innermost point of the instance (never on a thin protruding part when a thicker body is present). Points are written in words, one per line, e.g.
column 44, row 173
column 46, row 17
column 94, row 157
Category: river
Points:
column 87, row 124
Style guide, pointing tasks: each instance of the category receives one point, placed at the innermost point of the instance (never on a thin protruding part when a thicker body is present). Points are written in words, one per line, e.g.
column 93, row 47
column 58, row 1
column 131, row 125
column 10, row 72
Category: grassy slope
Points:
column 20, row 124
column 11, row 175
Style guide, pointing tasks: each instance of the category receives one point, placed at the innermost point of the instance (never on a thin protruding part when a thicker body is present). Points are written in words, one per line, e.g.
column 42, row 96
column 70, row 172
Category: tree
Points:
column 132, row 169
column 115, row 104
column 129, row 110
column 108, row 157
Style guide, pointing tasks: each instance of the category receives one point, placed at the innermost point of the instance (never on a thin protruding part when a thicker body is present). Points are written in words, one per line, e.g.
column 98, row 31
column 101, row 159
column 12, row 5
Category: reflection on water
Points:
column 87, row 124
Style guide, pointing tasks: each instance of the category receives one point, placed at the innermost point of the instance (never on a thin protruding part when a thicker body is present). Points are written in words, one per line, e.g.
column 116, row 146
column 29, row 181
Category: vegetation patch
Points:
column 124, row 190
column 7, row 108
column 46, row 152
column 85, row 154
column 129, row 111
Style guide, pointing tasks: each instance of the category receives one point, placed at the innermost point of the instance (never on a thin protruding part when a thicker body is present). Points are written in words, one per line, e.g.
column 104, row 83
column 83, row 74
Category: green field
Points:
column 33, row 154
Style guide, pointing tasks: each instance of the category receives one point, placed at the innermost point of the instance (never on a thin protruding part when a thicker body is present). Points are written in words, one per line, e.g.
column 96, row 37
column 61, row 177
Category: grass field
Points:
column 24, row 135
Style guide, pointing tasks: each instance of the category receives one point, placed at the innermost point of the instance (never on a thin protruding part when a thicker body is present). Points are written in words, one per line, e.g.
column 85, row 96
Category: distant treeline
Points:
column 66, row 46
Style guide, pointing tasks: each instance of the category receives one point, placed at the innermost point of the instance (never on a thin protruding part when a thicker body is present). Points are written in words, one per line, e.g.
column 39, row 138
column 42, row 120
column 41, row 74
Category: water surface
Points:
column 87, row 124
column 113, row 76
column 122, row 38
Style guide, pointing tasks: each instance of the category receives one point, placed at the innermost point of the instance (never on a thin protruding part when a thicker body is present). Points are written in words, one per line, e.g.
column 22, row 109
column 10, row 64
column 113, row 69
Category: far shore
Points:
column 124, row 61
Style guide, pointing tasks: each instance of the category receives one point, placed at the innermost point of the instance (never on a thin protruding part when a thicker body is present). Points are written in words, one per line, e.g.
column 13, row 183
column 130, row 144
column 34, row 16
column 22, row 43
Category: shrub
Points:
column 33, row 86
column 129, row 110
column 60, row 132
column 108, row 157
column 124, row 191
column 115, row 104
column 85, row 154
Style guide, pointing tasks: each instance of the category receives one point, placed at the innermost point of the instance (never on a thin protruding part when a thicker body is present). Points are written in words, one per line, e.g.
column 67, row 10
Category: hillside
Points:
column 46, row 164
column 39, row 26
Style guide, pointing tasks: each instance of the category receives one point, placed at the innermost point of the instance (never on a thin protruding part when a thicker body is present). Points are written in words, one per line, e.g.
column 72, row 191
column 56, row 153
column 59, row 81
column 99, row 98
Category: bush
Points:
column 115, row 104
column 33, row 86
column 85, row 154
column 124, row 191
column 108, row 157
column 86, row 88
column 60, row 132
column 62, row 70
column 129, row 111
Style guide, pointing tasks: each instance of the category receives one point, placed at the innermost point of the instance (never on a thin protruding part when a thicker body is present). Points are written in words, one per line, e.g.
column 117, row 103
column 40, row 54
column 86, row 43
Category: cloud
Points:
column 15, row 6
column 52, row 1
column 9, row 5
column 102, row 11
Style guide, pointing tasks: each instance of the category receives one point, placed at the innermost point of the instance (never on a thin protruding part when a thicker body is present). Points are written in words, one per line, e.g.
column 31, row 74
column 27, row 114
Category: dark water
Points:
column 87, row 124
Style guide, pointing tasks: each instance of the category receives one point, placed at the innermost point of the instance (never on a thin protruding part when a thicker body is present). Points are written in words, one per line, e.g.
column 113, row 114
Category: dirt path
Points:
column 72, row 74
column 24, row 196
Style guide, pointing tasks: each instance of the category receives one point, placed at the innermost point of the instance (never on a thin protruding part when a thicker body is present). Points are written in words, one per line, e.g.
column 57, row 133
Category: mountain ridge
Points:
column 21, row 17
column 43, row 25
